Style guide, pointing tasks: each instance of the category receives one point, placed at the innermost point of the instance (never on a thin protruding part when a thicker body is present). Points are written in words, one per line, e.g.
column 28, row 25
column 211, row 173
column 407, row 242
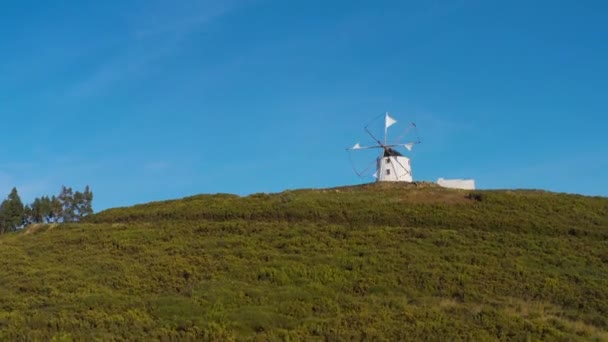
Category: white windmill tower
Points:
column 391, row 164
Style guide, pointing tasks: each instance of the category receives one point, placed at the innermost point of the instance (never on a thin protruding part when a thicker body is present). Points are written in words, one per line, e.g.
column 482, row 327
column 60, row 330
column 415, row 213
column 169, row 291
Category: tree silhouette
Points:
column 11, row 212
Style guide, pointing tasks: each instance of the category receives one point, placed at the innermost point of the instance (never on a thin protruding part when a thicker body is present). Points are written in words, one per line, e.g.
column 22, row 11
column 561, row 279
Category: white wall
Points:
column 394, row 169
column 466, row 184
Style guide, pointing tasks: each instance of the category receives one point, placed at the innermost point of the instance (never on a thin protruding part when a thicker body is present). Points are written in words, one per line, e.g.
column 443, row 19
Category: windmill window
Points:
column 388, row 172
column 388, row 160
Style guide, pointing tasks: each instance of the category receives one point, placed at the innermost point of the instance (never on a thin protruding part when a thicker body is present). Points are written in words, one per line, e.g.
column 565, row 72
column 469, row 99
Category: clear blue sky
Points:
column 148, row 100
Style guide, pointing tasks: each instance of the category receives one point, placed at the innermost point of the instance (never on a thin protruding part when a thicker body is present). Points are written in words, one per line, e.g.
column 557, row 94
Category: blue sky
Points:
column 150, row 100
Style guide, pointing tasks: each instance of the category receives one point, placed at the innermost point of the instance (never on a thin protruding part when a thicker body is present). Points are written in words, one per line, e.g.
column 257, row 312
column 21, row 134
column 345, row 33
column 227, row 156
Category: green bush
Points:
column 382, row 262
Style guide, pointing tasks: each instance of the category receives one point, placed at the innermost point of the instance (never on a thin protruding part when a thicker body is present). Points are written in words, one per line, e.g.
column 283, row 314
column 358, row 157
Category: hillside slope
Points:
column 372, row 262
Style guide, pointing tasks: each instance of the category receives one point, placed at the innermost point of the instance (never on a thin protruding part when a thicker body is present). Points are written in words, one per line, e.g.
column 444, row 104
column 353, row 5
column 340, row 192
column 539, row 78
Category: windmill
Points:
column 391, row 164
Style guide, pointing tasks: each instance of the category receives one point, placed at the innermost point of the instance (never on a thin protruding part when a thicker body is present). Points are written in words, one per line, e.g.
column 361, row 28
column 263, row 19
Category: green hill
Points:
column 374, row 262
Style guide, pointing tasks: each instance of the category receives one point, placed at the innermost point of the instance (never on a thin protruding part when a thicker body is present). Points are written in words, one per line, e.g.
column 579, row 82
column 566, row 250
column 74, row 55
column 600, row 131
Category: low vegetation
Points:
column 375, row 262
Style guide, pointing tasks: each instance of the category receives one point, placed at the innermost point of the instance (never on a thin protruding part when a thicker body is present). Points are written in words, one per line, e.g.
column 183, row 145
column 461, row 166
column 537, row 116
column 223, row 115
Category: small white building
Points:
column 465, row 184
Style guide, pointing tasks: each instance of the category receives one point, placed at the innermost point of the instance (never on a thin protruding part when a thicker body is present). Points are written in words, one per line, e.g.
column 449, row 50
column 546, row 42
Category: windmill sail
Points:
column 389, row 121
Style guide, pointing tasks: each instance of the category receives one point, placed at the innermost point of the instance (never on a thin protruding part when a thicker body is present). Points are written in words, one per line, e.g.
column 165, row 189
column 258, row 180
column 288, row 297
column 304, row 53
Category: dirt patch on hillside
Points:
column 33, row 228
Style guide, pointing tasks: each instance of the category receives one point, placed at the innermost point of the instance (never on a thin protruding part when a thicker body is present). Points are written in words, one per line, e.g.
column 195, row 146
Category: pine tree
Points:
column 12, row 213
column 69, row 206
column 28, row 215
column 37, row 215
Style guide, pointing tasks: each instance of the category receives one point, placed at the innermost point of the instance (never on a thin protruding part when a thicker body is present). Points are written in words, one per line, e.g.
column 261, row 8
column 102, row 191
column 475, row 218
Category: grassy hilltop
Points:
column 374, row 262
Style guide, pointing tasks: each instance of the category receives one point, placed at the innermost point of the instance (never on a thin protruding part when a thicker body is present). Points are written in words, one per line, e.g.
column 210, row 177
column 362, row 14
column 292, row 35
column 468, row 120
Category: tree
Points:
column 68, row 208
column 28, row 215
column 37, row 213
column 87, row 206
column 83, row 203
column 55, row 210
column 12, row 212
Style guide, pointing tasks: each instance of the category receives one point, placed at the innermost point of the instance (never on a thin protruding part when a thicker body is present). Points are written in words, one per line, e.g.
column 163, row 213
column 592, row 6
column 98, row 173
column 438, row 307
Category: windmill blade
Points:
column 389, row 121
column 399, row 145
column 406, row 170
column 407, row 130
column 359, row 147
column 410, row 145
column 365, row 171
column 394, row 169
column 397, row 175
column 371, row 135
